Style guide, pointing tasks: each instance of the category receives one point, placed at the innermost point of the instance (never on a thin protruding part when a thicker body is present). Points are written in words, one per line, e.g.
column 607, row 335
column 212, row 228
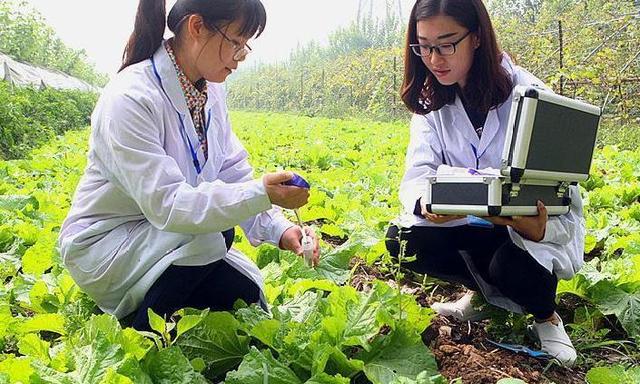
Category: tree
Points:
column 25, row 36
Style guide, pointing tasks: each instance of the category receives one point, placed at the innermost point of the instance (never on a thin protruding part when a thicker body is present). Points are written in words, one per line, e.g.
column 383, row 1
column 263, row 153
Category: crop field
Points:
column 356, row 318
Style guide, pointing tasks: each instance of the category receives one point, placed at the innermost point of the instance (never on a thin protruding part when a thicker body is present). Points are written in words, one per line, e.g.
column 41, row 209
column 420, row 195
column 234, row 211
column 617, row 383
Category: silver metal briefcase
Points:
column 549, row 146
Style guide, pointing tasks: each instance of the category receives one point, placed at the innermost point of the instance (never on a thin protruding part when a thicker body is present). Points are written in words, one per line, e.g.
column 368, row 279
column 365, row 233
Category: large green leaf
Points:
column 334, row 266
column 260, row 367
column 52, row 322
column 266, row 331
column 18, row 202
column 626, row 306
column 613, row 375
column 323, row 378
column 170, row 366
column 18, row 370
column 93, row 360
column 33, row 346
column 44, row 374
column 328, row 358
column 399, row 354
column 354, row 317
column 6, row 320
column 108, row 327
column 215, row 339
column 402, row 307
column 132, row 369
column 299, row 308
column 39, row 257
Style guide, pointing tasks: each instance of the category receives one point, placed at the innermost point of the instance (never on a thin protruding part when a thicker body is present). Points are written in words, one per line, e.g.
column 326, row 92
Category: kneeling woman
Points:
column 458, row 84
column 167, row 180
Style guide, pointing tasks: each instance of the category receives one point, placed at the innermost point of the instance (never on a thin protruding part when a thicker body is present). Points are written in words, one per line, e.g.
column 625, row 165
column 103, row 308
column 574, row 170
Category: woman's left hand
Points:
column 291, row 240
column 529, row 227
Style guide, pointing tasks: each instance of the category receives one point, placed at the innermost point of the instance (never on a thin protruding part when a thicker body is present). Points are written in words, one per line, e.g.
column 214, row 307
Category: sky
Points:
column 102, row 27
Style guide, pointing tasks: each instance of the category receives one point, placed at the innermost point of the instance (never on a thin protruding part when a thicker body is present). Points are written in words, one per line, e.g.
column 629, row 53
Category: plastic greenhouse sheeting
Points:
column 23, row 74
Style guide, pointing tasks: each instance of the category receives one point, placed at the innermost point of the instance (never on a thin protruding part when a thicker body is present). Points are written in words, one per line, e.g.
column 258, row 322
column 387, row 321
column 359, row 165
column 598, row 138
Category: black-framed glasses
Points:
column 448, row 49
column 241, row 50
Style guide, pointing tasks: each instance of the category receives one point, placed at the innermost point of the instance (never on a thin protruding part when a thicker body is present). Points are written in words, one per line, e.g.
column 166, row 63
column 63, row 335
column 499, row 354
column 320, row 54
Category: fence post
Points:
column 395, row 84
column 322, row 90
column 301, row 88
column 351, row 95
column 560, row 39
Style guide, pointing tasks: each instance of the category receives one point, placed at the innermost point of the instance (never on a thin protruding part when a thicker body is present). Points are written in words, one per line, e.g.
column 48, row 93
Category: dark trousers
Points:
column 499, row 261
column 216, row 286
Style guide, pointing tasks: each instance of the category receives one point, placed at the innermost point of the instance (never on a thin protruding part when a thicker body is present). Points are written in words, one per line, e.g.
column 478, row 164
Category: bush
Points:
column 30, row 117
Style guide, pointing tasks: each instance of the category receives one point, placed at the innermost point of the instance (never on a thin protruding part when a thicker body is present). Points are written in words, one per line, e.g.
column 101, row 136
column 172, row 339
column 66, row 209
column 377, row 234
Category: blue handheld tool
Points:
column 297, row 181
column 522, row 349
column 306, row 241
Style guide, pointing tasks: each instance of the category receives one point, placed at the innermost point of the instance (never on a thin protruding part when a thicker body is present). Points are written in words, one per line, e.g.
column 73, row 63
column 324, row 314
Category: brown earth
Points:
column 461, row 349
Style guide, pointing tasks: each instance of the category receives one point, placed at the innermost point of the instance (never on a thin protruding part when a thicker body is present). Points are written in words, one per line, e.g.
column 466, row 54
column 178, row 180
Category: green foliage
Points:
column 25, row 36
column 599, row 51
column 363, row 34
column 611, row 281
column 30, row 117
column 357, row 74
column 353, row 78
column 613, row 375
column 320, row 330
column 359, row 84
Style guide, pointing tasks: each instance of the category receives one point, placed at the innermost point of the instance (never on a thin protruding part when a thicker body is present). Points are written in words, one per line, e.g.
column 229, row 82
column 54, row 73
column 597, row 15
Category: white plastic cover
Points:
column 23, row 74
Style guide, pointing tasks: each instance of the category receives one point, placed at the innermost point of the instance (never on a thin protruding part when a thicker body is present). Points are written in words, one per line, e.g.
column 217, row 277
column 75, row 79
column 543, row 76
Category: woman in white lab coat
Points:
column 458, row 84
column 167, row 180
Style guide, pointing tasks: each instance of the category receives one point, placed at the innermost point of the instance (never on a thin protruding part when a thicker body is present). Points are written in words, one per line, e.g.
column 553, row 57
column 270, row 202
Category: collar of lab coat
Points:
column 491, row 127
column 171, row 85
column 492, row 123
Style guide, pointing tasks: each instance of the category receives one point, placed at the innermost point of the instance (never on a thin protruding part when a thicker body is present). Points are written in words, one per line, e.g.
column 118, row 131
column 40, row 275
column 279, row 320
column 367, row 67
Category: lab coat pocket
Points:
column 92, row 251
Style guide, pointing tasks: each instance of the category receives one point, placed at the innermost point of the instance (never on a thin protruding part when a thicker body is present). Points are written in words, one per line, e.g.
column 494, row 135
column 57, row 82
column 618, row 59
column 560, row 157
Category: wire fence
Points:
column 368, row 84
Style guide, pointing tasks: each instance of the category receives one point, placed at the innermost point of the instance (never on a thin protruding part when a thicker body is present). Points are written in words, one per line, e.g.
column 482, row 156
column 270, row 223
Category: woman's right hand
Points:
column 285, row 196
column 434, row 217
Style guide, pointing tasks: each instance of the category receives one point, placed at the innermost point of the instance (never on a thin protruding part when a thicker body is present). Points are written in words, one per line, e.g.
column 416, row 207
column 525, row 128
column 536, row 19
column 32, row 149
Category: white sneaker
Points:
column 462, row 309
column 555, row 341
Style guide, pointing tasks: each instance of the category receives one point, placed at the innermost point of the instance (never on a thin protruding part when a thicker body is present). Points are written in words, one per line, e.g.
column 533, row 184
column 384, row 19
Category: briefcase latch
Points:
column 515, row 190
column 562, row 188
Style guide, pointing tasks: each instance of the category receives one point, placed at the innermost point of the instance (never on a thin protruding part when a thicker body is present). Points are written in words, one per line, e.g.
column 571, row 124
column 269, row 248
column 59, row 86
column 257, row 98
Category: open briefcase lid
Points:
column 549, row 137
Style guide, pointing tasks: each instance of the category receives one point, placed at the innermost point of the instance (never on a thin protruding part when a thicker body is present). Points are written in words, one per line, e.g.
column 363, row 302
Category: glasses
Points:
column 448, row 49
column 241, row 50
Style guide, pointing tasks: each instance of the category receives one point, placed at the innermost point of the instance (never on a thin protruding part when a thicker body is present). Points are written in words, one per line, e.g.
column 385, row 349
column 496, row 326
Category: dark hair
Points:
column 489, row 84
column 151, row 20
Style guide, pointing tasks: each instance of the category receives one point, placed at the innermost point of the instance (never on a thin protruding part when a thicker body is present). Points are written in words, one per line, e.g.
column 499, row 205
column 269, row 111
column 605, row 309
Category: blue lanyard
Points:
column 183, row 129
column 475, row 154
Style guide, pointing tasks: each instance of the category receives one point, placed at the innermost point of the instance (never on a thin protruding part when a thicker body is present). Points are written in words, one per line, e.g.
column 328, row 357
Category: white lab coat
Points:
column 446, row 137
column 141, row 206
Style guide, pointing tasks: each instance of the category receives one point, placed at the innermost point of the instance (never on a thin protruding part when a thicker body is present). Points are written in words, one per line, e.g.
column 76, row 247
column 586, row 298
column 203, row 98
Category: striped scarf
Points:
column 196, row 97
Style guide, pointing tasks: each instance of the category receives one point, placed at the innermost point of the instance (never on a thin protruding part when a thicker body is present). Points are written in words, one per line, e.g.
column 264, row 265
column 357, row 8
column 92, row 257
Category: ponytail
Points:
column 148, row 32
column 151, row 20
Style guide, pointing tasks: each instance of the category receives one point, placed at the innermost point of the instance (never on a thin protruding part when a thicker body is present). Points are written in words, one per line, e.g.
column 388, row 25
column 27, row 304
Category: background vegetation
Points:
column 583, row 49
column 31, row 117
column 26, row 37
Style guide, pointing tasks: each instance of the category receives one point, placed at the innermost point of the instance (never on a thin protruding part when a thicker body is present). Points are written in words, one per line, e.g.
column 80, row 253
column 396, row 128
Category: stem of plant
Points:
column 398, row 275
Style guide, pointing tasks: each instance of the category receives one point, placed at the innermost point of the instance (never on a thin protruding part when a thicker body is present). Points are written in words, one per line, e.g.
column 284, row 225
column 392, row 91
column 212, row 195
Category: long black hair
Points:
column 151, row 19
column 488, row 83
